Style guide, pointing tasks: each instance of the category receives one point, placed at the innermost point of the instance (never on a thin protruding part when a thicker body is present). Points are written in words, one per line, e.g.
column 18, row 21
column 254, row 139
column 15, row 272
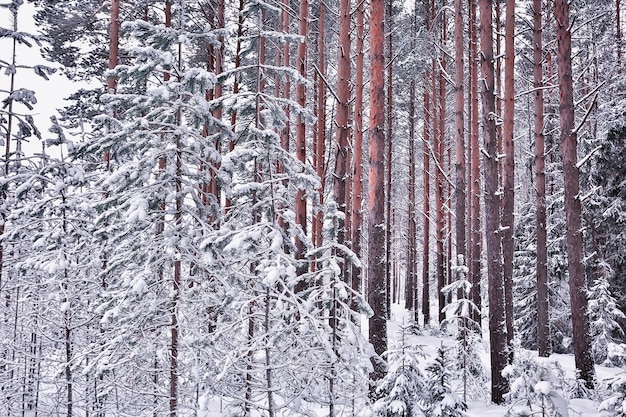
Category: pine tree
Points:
column 604, row 317
column 537, row 386
column 442, row 401
column 403, row 390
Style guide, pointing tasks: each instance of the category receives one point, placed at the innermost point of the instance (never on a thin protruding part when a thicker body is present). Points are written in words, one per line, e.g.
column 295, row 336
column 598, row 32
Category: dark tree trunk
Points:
column 426, row 198
column 389, row 155
column 476, row 236
column 543, row 320
column 301, row 207
column 509, row 169
column 574, row 238
column 497, row 326
column 459, row 122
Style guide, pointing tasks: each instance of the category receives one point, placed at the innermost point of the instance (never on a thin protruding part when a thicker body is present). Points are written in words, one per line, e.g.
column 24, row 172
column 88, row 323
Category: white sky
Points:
column 50, row 94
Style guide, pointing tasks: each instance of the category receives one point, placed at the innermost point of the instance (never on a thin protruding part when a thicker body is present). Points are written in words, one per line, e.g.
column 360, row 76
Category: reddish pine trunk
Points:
column 376, row 292
column 543, row 321
column 497, row 327
column 320, row 137
column 357, row 177
column 343, row 112
column 509, row 169
column 461, row 184
column 574, row 239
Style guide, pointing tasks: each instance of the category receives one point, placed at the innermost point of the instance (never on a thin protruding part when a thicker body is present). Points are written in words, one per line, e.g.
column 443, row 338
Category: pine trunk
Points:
column 509, row 169
column 497, row 326
column 439, row 134
column 428, row 128
column 357, row 176
column 320, row 137
column 543, row 320
column 476, row 236
column 574, row 238
column 301, row 207
column 376, row 187
column 389, row 154
column 459, row 121
column 343, row 113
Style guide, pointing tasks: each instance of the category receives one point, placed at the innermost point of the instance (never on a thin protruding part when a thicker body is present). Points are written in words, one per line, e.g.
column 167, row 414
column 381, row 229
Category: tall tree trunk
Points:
column 618, row 34
column 357, row 177
column 459, row 121
column 389, row 152
column 543, row 320
column 411, row 282
column 301, row 206
column 320, row 137
column 177, row 271
column 497, row 326
column 509, row 169
column 440, row 218
column 376, row 292
column 574, row 239
column 411, row 253
column 343, row 113
column 476, row 236
column 429, row 123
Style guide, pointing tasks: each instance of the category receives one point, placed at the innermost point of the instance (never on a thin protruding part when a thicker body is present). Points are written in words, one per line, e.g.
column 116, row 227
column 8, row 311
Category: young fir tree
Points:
column 442, row 401
column 404, row 391
column 604, row 317
column 615, row 404
column 537, row 387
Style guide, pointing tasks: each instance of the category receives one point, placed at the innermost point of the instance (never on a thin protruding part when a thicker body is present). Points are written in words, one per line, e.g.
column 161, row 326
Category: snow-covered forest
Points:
column 272, row 208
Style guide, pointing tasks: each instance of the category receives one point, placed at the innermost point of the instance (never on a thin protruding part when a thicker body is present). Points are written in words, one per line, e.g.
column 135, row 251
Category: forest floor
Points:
column 480, row 405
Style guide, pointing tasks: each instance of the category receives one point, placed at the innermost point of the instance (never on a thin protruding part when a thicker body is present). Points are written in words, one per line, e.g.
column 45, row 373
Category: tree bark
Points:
column 459, row 122
column 320, row 137
column 543, row 320
column 429, row 107
column 497, row 329
column 376, row 187
column 301, row 206
column 389, row 154
column 574, row 238
column 439, row 136
column 357, row 176
column 476, row 236
column 508, row 219
column 343, row 112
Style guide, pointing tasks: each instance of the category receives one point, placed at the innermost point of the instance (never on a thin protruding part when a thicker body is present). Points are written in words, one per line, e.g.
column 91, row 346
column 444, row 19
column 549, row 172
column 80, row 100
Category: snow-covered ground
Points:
column 482, row 407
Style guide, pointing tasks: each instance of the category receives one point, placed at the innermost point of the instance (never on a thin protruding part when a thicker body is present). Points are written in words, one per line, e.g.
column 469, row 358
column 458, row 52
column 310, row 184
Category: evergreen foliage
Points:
column 404, row 391
column 443, row 401
column 537, row 385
